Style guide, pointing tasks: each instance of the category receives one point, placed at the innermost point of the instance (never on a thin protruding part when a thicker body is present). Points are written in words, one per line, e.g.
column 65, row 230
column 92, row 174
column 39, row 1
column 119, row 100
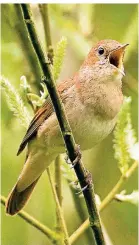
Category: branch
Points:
column 59, row 211
column 58, row 189
column 28, row 51
column 53, row 236
column 58, row 176
column 65, row 127
column 106, row 201
column 79, row 205
column 46, row 24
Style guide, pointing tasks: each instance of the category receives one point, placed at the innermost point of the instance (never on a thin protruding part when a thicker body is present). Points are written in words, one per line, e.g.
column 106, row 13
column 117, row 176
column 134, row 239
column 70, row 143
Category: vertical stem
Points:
column 58, row 179
column 26, row 46
column 58, row 188
column 59, row 211
column 44, row 10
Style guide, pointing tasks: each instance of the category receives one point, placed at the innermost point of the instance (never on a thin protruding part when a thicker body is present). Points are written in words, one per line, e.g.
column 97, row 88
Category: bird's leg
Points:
column 88, row 178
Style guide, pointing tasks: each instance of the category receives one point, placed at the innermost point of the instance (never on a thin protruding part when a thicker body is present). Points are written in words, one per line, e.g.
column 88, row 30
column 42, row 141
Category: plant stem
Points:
column 106, row 201
column 58, row 179
column 46, row 24
column 58, row 188
column 59, row 211
column 26, row 46
column 65, row 128
column 53, row 236
column 80, row 207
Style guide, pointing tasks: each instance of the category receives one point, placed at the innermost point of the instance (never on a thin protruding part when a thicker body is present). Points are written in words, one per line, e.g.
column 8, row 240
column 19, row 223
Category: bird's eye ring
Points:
column 100, row 51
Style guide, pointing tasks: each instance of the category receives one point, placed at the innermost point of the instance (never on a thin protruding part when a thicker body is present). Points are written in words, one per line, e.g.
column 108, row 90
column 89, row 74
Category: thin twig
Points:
column 80, row 208
column 65, row 128
column 46, row 24
column 106, row 201
column 58, row 179
column 28, row 51
column 53, row 236
column 58, row 188
column 60, row 212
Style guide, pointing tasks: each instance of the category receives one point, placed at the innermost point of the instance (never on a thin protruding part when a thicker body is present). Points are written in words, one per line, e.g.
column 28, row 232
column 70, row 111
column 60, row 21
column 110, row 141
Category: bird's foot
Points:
column 87, row 181
column 67, row 160
column 77, row 159
column 78, row 156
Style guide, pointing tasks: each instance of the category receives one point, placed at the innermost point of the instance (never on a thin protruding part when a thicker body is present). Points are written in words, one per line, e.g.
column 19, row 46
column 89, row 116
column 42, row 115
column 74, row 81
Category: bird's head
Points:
column 107, row 53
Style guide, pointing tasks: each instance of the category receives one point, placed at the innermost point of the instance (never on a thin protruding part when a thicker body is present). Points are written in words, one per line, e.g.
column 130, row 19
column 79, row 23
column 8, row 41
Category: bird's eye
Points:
column 101, row 51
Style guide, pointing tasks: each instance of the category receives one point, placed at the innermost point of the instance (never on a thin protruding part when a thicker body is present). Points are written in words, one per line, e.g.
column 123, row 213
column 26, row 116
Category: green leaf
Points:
column 36, row 100
column 15, row 102
column 25, row 87
column 59, row 54
column 124, row 137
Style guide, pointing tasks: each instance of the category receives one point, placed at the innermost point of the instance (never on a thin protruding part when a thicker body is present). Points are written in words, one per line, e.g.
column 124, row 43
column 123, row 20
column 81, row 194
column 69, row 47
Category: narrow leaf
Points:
column 15, row 103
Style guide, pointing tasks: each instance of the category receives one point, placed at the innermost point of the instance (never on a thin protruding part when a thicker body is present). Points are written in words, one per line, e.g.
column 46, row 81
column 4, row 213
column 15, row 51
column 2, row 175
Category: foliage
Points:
column 58, row 57
column 124, row 136
column 15, row 102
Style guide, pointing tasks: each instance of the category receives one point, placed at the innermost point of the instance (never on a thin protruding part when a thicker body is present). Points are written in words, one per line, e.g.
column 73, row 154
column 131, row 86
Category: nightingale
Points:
column 92, row 99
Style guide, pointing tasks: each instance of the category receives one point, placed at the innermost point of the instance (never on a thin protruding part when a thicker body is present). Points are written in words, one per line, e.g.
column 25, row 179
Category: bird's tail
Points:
column 17, row 199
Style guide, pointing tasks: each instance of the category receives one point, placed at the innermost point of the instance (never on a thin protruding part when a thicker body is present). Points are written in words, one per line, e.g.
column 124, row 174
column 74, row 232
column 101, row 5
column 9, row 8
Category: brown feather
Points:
column 16, row 200
column 42, row 114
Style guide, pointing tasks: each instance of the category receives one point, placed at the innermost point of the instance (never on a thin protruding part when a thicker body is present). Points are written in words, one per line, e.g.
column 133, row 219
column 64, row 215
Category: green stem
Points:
column 44, row 10
column 26, row 46
column 59, row 211
column 80, row 207
column 105, row 202
column 58, row 179
column 58, row 188
column 53, row 236
column 65, row 127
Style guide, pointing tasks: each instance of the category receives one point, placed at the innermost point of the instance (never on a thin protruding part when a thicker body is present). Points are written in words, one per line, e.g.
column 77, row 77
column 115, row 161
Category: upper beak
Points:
column 116, row 57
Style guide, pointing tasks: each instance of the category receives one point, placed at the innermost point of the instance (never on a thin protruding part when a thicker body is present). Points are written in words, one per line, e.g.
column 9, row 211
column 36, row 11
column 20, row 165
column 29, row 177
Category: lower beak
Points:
column 116, row 57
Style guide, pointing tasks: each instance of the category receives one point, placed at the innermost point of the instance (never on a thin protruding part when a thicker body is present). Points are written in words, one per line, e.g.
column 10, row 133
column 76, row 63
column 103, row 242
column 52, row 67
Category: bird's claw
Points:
column 88, row 181
column 82, row 190
column 78, row 156
column 76, row 160
column 67, row 160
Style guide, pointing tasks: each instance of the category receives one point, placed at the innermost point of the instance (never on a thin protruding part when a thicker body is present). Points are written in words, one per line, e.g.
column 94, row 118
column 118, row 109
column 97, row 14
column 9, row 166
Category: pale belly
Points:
column 91, row 130
column 88, row 130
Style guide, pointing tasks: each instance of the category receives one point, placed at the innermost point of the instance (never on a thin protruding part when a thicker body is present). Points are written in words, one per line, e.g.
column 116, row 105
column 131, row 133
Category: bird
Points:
column 92, row 99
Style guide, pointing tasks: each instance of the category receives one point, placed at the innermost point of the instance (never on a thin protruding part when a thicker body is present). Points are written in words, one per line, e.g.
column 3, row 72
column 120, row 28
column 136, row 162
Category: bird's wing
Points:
column 42, row 114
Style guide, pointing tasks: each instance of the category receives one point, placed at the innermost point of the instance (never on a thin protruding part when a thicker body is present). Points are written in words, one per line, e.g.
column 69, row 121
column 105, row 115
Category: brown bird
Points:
column 92, row 100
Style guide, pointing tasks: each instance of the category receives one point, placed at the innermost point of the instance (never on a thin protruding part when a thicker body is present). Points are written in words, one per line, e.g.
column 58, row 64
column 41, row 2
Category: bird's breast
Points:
column 90, row 129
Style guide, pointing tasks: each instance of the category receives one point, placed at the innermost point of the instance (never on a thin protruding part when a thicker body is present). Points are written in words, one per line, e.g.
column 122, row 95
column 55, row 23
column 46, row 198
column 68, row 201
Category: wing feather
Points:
column 41, row 115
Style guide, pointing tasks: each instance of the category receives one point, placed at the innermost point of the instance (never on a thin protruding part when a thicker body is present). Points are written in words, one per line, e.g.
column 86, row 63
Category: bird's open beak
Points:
column 116, row 58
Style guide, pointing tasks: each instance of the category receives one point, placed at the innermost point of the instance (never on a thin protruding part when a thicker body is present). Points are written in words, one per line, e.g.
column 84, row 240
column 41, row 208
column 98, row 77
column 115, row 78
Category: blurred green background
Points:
column 83, row 25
